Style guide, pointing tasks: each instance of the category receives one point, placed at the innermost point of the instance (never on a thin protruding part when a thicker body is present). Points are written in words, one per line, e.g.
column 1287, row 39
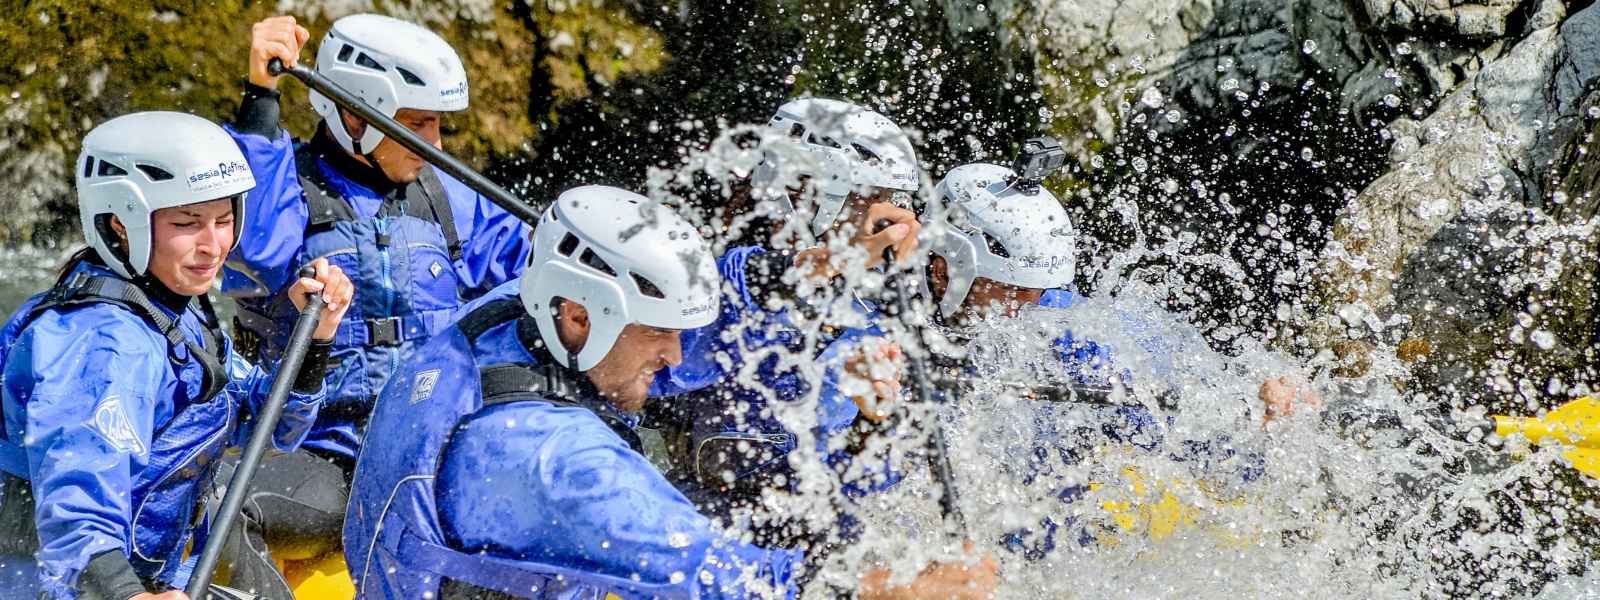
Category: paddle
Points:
column 266, row 423
column 409, row 139
column 1575, row 424
column 917, row 371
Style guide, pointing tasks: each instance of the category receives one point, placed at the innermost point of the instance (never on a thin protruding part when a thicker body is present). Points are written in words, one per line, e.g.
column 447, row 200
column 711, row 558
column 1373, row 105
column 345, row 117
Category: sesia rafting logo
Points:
column 459, row 89
column 208, row 178
column 695, row 310
column 1050, row 262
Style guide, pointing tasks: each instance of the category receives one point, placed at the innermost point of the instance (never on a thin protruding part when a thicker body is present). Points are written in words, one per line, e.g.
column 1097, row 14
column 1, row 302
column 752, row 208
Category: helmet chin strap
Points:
column 355, row 141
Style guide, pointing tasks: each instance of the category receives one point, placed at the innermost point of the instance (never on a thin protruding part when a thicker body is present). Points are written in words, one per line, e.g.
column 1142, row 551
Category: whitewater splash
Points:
column 1385, row 492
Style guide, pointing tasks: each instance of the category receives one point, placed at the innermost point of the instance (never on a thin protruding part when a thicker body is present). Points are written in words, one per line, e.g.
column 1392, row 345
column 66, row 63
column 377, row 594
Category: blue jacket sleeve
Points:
column 89, row 422
column 567, row 492
column 250, row 385
column 494, row 244
column 272, row 229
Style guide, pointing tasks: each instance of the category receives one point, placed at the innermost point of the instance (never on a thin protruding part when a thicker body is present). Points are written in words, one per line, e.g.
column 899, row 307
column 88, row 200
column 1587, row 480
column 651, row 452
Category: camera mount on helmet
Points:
column 1038, row 158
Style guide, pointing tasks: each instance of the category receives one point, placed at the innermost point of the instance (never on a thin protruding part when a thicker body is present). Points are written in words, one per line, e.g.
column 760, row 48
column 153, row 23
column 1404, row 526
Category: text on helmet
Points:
column 211, row 177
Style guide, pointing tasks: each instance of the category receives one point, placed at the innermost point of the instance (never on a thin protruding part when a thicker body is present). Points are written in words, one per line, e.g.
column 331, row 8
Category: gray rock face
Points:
column 1471, row 238
column 1099, row 56
column 1471, row 247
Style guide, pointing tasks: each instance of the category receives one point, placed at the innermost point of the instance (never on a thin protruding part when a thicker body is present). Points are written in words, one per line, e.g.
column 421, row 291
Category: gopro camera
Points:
column 1038, row 158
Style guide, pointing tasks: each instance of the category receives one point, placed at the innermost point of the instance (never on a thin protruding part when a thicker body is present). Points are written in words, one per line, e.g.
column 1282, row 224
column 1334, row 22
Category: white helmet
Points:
column 623, row 258
column 134, row 165
column 390, row 64
column 849, row 149
column 995, row 229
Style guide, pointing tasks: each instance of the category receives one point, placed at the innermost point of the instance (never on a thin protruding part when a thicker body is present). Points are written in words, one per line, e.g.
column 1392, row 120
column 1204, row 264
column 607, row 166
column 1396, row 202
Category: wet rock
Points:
column 1099, row 56
column 1481, row 234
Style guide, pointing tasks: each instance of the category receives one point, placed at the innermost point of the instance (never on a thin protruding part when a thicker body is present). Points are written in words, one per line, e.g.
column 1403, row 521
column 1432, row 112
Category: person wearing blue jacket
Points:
column 1004, row 243
column 830, row 196
column 504, row 460
column 416, row 241
column 120, row 391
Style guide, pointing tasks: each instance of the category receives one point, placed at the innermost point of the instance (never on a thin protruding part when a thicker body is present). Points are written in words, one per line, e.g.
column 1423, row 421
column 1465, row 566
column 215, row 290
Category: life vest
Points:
column 406, row 554
column 402, row 262
column 167, row 493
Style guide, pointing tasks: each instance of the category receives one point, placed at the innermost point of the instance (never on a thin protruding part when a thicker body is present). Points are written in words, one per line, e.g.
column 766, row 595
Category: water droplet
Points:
column 1391, row 101
column 1543, row 339
column 1309, row 47
column 1403, row 49
column 1174, row 116
column 1152, row 98
column 1140, row 165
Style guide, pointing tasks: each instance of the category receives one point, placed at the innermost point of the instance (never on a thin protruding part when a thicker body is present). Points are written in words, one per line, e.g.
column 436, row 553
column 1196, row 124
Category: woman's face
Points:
column 189, row 244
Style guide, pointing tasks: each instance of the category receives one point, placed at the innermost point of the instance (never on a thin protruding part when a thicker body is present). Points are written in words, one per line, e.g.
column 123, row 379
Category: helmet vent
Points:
column 995, row 247
column 797, row 131
column 410, row 78
column 154, row 173
column 88, row 166
column 345, row 52
column 568, row 244
column 648, row 289
column 595, row 262
column 866, row 155
column 824, row 141
column 366, row 61
column 110, row 170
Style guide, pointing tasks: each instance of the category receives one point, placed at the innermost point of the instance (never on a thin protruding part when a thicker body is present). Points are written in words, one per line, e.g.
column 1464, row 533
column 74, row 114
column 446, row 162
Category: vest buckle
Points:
column 385, row 331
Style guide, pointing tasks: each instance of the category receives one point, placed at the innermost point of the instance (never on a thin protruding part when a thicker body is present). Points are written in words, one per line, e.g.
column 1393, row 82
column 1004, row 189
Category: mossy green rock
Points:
column 77, row 64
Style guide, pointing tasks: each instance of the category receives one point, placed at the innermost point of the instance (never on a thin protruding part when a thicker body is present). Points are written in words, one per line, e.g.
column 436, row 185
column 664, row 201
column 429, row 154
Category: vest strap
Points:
column 84, row 288
column 323, row 208
column 439, row 204
column 518, row 578
column 424, row 198
column 555, row 384
column 485, row 317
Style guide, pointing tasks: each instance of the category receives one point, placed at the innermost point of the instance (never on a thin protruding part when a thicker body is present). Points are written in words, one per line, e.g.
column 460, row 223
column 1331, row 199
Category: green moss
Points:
column 78, row 64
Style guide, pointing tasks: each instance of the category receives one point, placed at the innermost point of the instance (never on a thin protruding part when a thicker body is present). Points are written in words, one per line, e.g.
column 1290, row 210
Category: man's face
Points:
column 990, row 297
column 397, row 163
column 985, row 297
column 624, row 375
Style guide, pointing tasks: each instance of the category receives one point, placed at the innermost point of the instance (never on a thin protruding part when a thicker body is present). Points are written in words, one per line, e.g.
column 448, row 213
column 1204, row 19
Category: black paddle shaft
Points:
column 922, row 382
column 266, row 422
column 409, row 139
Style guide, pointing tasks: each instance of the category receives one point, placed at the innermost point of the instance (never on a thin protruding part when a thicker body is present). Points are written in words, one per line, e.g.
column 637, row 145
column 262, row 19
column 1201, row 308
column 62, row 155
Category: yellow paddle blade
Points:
column 1585, row 460
column 1576, row 423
